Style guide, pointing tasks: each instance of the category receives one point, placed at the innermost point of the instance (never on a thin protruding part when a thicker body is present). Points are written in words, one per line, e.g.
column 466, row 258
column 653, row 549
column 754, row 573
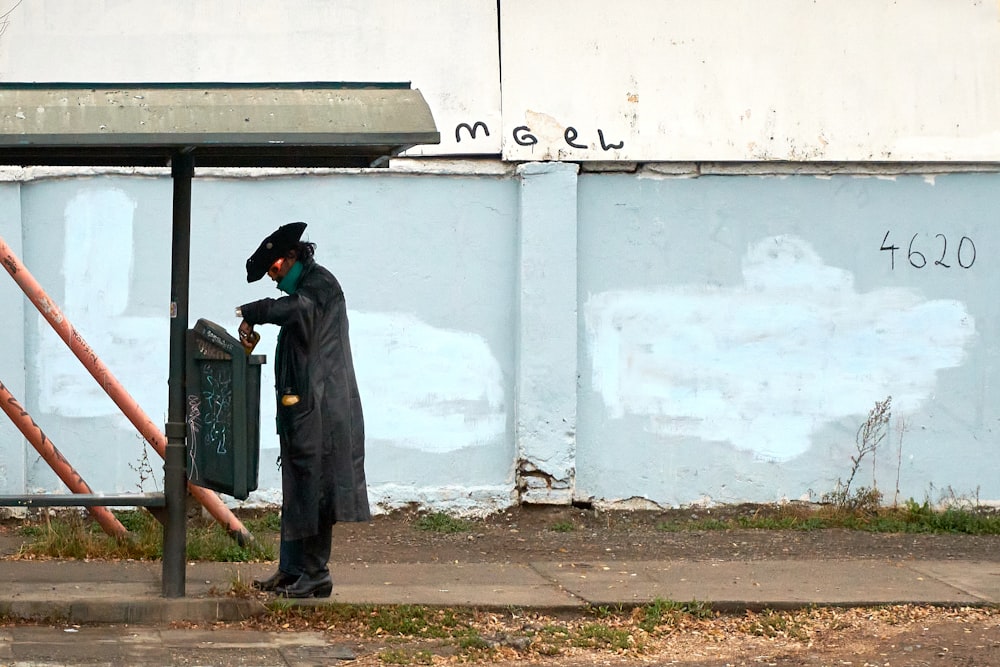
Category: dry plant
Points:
column 869, row 436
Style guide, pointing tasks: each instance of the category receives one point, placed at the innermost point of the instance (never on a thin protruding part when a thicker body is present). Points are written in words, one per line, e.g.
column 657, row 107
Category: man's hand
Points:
column 245, row 329
column 248, row 337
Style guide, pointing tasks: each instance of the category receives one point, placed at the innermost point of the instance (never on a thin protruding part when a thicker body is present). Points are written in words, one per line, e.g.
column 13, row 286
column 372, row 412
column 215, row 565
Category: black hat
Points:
column 272, row 248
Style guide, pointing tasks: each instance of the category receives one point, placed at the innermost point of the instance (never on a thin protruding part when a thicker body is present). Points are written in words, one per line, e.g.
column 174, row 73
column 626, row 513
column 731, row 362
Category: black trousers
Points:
column 309, row 555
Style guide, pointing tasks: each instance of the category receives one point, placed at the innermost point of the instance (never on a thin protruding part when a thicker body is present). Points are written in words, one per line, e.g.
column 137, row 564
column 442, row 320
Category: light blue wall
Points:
column 550, row 336
column 426, row 265
column 12, row 452
column 737, row 330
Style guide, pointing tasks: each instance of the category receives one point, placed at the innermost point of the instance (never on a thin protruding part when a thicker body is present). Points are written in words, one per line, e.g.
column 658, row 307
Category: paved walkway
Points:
column 130, row 592
column 113, row 613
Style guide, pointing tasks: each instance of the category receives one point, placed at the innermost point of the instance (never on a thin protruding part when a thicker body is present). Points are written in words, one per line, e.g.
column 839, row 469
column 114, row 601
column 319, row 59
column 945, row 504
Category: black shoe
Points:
column 306, row 586
column 277, row 580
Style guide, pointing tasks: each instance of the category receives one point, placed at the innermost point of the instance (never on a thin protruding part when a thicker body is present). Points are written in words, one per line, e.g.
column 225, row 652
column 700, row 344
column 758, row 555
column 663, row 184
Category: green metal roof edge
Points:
column 280, row 85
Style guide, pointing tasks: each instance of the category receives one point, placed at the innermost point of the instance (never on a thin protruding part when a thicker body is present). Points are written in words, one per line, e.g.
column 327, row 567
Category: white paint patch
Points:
column 97, row 268
column 764, row 365
column 424, row 387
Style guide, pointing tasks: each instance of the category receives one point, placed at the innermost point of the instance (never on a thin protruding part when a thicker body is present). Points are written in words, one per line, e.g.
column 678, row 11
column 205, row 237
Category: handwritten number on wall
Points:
column 918, row 248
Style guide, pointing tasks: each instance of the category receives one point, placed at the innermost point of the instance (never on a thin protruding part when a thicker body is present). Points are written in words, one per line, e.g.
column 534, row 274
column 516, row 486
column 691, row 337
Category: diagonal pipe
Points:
column 129, row 407
column 48, row 451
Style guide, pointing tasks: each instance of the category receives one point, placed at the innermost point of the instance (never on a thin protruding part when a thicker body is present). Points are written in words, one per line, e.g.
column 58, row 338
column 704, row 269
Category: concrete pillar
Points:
column 546, row 386
column 12, row 364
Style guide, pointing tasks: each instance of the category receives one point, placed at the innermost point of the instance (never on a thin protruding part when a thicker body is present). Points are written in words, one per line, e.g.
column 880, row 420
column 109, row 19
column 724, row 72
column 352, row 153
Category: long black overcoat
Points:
column 322, row 435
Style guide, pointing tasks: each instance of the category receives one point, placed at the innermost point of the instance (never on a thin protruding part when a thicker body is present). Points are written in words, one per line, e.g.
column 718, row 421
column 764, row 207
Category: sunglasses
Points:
column 276, row 267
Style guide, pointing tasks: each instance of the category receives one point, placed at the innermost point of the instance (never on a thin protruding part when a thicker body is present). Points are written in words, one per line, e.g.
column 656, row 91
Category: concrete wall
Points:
column 447, row 48
column 744, row 80
column 638, row 80
column 667, row 332
column 430, row 291
column 12, row 376
column 546, row 335
column 736, row 332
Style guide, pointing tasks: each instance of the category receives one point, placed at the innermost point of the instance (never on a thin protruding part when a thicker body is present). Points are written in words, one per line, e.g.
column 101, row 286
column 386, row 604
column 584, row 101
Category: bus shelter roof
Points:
column 328, row 124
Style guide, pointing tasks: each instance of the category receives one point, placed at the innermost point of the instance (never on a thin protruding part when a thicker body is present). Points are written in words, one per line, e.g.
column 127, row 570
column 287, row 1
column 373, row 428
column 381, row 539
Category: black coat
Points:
column 323, row 434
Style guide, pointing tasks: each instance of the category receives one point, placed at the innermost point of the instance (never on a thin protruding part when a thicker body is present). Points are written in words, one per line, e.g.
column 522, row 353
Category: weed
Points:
column 562, row 527
column 867, row 440
column 280, row 606
column 901, row 427
column 595, row 635
column 772, row 624
column 472, row 646
column 73, row 535
column 554, row 631
column 144, row 468
column 864, row 513
column 551, row 639
column 413, row 621
column 441, row 522
column 240, row 587
column 661, row 612
column 31, row 529
column 394, row 656
column 268, row 522
column 135, row 521
column 672, row 526
column 604, row 611
column 423, row 658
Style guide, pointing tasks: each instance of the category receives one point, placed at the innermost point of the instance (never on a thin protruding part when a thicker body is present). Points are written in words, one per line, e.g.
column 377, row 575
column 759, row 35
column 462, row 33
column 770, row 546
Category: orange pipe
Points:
column 129, row 407
column 70, row 477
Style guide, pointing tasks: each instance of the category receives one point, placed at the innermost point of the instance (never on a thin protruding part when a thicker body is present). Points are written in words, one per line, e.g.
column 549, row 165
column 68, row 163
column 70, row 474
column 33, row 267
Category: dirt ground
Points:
column 531, row 533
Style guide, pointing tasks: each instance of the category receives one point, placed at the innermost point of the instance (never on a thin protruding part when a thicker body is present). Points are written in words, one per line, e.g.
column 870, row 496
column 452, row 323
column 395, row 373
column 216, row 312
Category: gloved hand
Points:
column 248, row 337
column 251, row 311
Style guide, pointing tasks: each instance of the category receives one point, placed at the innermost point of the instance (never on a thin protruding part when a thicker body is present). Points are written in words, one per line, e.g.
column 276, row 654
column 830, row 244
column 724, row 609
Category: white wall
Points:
column 446, row 48
column 748, row 80
column 633, row 80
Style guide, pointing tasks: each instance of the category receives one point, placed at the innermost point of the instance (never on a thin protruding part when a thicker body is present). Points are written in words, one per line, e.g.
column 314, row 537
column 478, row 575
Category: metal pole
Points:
column 110, row 384
column 48, row 451
column 175, row 476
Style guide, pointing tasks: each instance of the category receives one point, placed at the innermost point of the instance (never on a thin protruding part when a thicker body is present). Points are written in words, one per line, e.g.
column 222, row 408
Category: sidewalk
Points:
column 130, row 592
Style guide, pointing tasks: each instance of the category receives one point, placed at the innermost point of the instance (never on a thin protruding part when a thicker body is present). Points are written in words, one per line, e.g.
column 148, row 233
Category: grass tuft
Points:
column 661, row 612
column 75, row 535
column 909, row 518
column 441, row 522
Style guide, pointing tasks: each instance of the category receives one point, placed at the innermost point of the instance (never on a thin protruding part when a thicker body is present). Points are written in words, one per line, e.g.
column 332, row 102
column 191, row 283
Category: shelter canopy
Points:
column 217, row 124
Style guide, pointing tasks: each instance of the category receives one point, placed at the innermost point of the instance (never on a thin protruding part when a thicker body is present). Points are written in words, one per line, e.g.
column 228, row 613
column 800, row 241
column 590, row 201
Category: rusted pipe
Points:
column 129, row 407
column 70, row 477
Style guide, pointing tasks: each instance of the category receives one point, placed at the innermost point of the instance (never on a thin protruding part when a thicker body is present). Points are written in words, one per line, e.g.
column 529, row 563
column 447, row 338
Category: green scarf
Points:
column 290, row 282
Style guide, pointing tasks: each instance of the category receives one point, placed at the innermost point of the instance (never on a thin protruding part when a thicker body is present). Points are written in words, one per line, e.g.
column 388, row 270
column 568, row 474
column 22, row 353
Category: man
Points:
column 320, row 424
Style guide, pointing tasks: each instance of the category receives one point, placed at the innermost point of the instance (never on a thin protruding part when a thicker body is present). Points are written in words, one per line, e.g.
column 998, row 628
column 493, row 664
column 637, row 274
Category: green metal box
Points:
column 223, row 411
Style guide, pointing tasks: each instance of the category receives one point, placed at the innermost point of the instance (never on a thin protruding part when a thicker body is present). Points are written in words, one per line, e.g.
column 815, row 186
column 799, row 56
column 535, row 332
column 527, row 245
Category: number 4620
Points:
column 964, row 256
